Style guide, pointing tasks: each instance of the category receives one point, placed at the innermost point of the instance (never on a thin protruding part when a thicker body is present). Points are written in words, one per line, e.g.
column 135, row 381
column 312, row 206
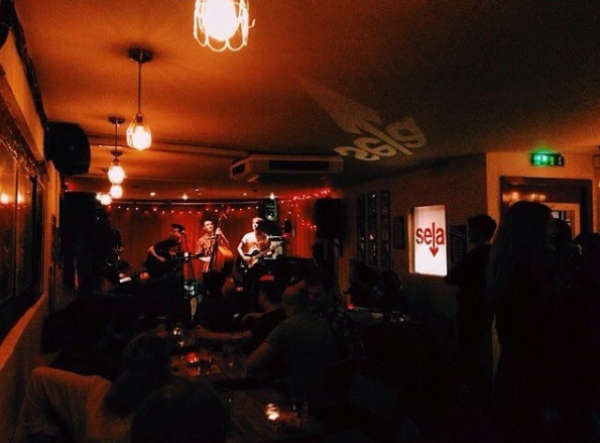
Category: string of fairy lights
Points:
column 293, row 208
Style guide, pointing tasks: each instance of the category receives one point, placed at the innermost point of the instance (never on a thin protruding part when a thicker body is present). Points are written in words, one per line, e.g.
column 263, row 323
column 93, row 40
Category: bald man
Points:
column 304, row 343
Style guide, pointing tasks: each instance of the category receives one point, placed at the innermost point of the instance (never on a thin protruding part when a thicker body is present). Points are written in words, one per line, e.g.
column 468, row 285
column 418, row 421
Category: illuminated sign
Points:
column 542, row 159
column 430, row 240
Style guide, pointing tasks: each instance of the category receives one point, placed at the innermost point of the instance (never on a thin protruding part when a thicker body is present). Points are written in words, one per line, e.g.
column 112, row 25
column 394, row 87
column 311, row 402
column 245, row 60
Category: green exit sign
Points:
column 547, row 160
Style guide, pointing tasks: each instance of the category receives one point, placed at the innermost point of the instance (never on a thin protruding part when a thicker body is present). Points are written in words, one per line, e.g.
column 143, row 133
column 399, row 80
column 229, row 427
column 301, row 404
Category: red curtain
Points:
column 142, row 225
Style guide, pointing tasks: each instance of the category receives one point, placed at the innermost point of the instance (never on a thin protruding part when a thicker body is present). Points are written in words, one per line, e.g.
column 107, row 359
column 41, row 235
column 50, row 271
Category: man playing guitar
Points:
column 253, row 246
column 165, row 251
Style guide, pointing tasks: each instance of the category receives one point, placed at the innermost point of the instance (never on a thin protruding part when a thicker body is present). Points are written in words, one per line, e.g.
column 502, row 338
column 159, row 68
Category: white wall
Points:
column 19, row 351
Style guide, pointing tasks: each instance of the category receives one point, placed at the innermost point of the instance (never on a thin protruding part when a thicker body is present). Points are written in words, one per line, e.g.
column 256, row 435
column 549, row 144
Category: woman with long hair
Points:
column 522, row 287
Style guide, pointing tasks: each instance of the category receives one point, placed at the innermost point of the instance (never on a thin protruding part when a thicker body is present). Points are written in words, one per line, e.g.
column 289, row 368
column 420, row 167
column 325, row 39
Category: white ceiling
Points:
column 431, row 78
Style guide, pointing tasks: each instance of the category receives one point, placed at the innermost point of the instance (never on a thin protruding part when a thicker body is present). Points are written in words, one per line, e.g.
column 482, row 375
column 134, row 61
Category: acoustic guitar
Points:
column 156, row 268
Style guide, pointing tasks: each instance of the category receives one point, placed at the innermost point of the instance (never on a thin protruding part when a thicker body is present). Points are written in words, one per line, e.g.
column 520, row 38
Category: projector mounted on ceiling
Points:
column 270, row 168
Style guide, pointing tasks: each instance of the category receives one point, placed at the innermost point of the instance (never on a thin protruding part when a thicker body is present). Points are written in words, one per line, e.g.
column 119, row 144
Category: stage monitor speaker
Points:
column 270, row 210
column 328, row 217
column 67, row 146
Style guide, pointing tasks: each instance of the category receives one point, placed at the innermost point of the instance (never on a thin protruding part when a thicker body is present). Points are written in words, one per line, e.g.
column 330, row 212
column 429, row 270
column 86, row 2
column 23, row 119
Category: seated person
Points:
column 363, row 288
column 269, row 299
column 304, row 343
column 90, row 409
column 181, row 412
column 327, row 303
column 392, row 298
column 87, row 328
column 214, row 311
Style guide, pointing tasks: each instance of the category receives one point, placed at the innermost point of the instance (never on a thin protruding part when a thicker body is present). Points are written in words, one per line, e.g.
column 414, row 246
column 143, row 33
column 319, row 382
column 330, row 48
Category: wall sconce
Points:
column 216, row 23
column 116, row 173
column 138, row 132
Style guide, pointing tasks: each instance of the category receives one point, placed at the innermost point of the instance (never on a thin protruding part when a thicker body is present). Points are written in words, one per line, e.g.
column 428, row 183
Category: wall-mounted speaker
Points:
column 328, row 217
column 67, row 146
column 270, row 210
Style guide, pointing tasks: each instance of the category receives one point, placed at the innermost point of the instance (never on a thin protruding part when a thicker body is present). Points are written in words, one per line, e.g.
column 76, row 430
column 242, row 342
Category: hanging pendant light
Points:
column 105, row 199
column 222, row 24
column 138, row 132
column 116, row 192
column 116, row 173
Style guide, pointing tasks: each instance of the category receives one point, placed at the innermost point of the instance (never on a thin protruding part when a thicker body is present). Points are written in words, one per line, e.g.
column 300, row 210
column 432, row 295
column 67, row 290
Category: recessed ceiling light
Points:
column 184, row 196
column 152, row 194
column 245, row 193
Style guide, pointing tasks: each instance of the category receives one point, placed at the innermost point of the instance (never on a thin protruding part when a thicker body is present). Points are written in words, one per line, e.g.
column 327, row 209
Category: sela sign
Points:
column 430, row 240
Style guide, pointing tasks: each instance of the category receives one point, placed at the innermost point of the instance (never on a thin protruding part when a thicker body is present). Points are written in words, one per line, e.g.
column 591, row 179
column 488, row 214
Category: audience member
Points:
column 214, row 311
column 327, row 303
column 521, row 289
column 474, row 318
column 305, row 344
column 319, row 260
column 392, row 293
column 88, row 332
column 260, row 324
column 580, row 343
column 90, row 408
column 181, row 412
column 363, row 288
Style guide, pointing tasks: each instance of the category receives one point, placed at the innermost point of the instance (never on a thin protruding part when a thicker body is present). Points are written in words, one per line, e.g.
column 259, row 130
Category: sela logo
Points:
column 434, row 236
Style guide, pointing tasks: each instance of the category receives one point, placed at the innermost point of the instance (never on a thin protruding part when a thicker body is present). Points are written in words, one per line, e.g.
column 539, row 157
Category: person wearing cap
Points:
column 161, row 253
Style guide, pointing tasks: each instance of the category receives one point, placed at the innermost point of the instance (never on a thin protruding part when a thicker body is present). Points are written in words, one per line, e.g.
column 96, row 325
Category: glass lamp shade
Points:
column 216, row 23
column 106, row 199
column 219, row 19
column 116, row 192
column 138, row 133
column 116, row 174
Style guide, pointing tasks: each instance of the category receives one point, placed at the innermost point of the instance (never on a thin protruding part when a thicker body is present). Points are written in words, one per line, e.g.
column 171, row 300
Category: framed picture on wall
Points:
column 361, row 229
column 372, row 229
column 384, row 229
column 399, row 232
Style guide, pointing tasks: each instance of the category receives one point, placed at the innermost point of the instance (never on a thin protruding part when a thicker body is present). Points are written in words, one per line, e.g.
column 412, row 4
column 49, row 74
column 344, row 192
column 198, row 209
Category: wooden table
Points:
column 249, row 421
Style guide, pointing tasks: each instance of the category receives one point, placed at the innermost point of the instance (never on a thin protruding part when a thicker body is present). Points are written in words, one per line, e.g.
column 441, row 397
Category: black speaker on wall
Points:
column 270, row 210
column 67, row 146
column 328, row 217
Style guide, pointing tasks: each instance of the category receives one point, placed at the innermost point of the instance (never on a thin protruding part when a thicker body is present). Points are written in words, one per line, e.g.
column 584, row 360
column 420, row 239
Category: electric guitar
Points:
column 256, row 255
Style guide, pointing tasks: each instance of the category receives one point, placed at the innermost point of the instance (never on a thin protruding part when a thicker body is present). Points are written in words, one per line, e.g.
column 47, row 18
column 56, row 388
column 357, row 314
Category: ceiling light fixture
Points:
column 216, row 23
column 116, row 192
column 116, row 173
column 138, row 132
column 105, row 199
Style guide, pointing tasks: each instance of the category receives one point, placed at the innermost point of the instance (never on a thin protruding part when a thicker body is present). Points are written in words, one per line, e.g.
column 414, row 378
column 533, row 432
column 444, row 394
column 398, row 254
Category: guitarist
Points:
column 161, row 253
column 250, row 248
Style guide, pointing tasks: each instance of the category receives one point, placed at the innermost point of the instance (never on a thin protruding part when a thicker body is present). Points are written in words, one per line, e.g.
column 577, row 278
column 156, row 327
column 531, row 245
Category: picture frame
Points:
column 372, row 218
column 399, row 232
column 361, row 229
column 384, row 229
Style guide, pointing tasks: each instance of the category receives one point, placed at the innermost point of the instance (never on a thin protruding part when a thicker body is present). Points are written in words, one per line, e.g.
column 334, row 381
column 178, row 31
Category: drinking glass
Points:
column 179, row 337
column 205, row 361
column 229, row 353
